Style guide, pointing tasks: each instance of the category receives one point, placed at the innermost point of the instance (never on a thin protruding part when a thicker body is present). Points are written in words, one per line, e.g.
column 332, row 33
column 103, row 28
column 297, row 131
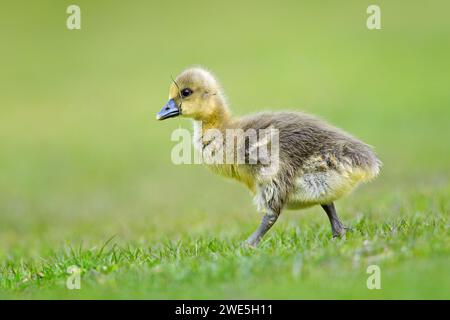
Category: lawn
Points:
column 86, row 174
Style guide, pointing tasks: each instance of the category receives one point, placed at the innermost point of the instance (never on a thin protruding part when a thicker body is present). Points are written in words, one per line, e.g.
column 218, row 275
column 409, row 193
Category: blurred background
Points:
column 82, row 157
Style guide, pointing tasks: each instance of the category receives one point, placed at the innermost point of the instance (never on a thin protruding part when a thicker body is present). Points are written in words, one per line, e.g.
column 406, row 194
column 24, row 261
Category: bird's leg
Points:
column 337, row 227
column 267, row 222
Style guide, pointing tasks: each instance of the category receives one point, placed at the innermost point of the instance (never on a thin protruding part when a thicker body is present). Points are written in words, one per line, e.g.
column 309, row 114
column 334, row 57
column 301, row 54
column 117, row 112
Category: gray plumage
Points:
column 310, row 147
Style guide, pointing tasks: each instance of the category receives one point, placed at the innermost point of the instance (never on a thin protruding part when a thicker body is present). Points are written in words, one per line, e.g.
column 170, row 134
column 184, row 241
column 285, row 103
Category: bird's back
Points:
column 304, row 138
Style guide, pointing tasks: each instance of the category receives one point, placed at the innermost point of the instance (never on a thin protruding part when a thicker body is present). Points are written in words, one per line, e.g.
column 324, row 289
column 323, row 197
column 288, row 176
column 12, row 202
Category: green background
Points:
column 83, row 160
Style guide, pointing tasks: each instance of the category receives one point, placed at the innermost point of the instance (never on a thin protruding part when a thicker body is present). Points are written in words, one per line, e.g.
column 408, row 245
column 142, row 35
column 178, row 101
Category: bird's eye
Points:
column 186, row 92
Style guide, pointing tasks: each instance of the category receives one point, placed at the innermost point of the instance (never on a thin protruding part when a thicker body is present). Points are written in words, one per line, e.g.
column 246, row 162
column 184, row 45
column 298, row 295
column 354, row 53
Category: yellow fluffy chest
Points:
column 237, row 172
column 212, row 152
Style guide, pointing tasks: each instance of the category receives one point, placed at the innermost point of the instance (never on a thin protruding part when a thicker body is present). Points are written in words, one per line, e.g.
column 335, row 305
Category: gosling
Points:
column 317, row 163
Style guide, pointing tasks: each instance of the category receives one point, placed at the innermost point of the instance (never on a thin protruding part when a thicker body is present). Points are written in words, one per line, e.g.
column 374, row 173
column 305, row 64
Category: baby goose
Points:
column 318, row 163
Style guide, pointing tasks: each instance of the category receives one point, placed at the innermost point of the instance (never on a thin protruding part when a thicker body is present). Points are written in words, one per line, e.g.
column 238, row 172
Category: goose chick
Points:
column 316, row 163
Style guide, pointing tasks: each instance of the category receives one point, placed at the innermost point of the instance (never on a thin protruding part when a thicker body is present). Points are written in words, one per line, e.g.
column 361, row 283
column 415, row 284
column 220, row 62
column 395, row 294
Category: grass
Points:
column 86, row 176
column 297, row 260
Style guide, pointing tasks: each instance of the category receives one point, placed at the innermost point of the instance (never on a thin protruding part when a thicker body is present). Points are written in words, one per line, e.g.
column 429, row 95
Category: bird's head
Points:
column 195, row 94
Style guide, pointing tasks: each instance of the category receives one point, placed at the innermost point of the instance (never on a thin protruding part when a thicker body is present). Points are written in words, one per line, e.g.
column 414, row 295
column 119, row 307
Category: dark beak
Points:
column 169, row 110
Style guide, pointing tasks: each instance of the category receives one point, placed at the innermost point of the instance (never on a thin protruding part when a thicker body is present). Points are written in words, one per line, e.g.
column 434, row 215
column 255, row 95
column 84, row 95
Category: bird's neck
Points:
column 220, row 118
